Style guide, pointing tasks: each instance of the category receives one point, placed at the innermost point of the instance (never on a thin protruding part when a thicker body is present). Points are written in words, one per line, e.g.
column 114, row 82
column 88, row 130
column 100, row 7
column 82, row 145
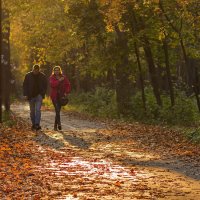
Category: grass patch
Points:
column 193, row 134
column 7, row 119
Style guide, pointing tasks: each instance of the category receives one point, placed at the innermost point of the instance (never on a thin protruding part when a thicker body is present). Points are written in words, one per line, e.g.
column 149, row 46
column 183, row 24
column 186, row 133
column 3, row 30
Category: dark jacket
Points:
column 29, row 84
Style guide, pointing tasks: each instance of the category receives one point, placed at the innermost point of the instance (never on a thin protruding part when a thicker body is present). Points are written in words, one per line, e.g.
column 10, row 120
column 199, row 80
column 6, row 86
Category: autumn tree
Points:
column 185, row 32
column 6, row 68
column 125, row 45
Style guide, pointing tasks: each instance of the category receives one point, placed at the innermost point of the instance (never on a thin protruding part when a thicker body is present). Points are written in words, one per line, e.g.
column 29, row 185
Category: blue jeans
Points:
column 57, row 107
column 35, row 109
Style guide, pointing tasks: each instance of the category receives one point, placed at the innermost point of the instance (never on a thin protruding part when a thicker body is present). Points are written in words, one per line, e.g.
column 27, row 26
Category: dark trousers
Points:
column 57, row 107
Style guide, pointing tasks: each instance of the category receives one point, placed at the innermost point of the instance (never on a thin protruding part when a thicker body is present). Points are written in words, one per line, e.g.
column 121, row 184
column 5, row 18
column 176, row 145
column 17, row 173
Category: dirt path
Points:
column 96, row 160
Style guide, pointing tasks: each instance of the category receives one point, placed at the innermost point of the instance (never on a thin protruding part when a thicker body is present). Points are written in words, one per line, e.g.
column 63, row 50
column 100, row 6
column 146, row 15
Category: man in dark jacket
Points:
column 34, row 90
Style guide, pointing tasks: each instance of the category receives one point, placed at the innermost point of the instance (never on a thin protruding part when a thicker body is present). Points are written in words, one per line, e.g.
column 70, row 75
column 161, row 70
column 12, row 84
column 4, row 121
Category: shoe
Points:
column 37, row 127
column 59, row 127
column 33, row 127
column 55, row 127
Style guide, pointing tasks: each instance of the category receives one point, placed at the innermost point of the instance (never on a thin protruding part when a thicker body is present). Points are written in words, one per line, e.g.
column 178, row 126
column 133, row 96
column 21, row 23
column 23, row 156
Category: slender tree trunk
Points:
column 110, row 79
column 171, row 90
column 196, row 88
column 137, row 25
column 193, row 84
column 6, row 60
column 187, row 73
column 194, row 73
column 140, row 75
column 196, row 33
column 152, row 70
column 123, row 89
column 179, row 33
column 7, row 84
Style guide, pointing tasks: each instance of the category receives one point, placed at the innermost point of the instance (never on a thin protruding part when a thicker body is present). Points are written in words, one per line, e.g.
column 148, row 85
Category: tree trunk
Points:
column 196, row 88
column 191, row 75
column 110, row 79
column 123, row 92
column 6, row 60
column 169, row 78
column 194, row 76
column 140, row 75
column 152, row 70
column 136, row 26
column 187, row 72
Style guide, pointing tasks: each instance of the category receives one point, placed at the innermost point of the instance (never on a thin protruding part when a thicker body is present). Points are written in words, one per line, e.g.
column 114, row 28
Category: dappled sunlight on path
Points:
column 90, row 175
column 105, row 169
column 90, row 160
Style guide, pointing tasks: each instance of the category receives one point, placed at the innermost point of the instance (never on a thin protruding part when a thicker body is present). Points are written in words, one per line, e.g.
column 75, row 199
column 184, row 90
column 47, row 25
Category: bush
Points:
column 183, row 113
column 193, row 135
column 100, row 102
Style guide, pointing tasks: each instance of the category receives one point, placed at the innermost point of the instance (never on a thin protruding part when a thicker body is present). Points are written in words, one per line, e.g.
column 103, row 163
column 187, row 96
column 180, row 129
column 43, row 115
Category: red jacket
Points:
column 63, row 87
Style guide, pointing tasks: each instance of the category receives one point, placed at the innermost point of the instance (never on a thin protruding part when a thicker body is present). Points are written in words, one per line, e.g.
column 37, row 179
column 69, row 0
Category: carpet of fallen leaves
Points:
column 126, row 161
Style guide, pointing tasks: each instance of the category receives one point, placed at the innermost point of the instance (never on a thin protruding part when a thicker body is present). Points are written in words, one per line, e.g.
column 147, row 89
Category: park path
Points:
column 92, row 159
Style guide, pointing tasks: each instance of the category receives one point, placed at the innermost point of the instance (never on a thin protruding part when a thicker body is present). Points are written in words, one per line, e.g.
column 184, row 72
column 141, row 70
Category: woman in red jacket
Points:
column 60, row 86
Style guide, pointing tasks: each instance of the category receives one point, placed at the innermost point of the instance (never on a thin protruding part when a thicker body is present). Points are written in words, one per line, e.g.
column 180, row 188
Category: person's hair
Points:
column 57, row 67
column 36, row 67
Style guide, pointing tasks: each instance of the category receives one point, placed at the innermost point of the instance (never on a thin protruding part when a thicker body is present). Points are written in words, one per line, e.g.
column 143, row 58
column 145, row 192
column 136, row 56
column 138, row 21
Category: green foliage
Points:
column 100, row 102
column 193, row 135
column 138, row 112
column 183, row 113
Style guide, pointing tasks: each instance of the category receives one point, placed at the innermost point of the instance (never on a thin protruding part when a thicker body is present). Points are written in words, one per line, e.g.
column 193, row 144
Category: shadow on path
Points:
column 76, row 141
column 45, row 140
column 181, row 167
column 177, row 165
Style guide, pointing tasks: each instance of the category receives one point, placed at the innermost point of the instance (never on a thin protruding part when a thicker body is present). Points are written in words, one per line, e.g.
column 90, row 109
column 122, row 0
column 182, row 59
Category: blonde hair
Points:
column 57, row 67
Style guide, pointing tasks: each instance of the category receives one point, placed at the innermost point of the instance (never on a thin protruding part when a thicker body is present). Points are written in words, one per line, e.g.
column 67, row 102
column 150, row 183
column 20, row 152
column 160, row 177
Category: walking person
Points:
column 34, row 90
column 60, row 86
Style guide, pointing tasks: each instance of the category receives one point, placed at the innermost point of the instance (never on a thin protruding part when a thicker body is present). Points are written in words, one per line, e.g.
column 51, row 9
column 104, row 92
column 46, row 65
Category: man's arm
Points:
column 25, row 86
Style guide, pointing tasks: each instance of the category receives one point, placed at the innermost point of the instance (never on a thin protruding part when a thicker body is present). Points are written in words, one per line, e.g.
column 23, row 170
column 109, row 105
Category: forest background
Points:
column 134, row 60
